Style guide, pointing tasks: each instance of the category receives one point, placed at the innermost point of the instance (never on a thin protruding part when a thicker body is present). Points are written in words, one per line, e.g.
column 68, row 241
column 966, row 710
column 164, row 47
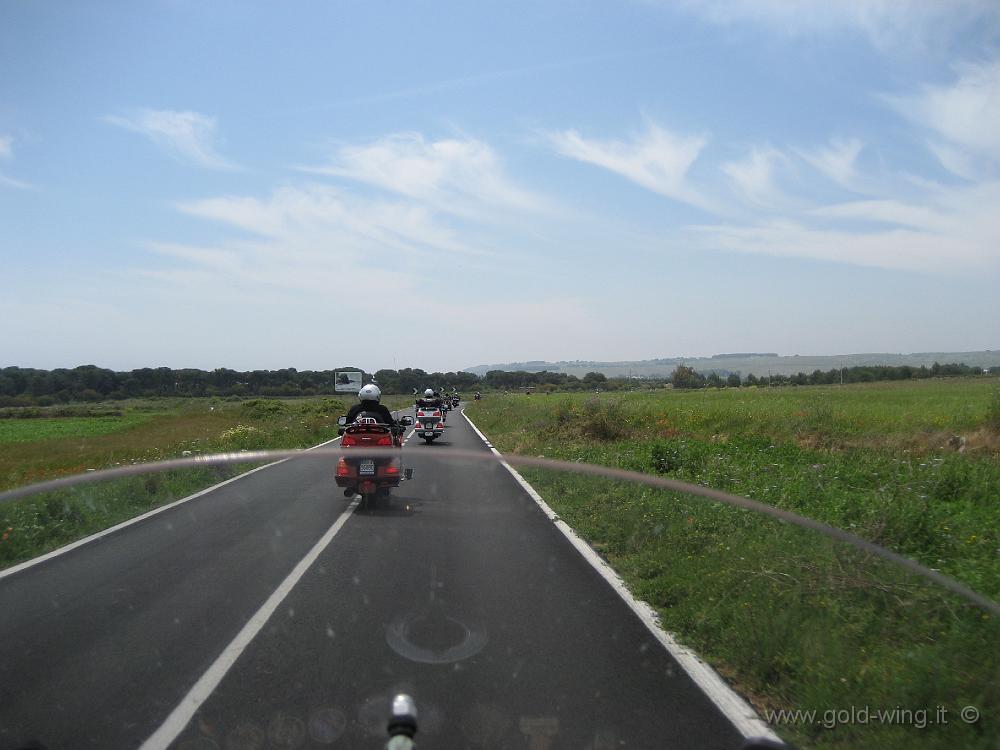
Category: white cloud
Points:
column 753, row 177
column 952, row 231
column 965, row 114
column 11, row 182
column 658, row 160
column 188, row 136
column 837, row 161
column 7, row 152
column 335, row 221
column 955, row 160
column 886, row 23
column 458, row 176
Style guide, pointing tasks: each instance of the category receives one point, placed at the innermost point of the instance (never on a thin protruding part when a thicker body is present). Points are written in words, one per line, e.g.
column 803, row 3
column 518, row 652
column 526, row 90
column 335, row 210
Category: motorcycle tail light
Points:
column 349, row 439
column 436, row 414
column 392, row 468
column 384, row 440
column 343, row 470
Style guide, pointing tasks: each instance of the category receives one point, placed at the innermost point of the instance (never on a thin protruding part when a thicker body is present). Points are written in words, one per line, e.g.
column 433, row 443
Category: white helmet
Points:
column 370, row 392
column 428, row 393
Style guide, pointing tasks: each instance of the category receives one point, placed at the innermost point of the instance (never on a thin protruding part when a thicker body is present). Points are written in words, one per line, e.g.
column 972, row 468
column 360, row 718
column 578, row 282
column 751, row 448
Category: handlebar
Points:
column 402, row 728
column 402, row 725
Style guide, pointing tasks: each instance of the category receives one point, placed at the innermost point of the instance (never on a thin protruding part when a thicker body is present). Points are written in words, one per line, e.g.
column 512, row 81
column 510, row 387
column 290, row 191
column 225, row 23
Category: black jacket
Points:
column 380, row 412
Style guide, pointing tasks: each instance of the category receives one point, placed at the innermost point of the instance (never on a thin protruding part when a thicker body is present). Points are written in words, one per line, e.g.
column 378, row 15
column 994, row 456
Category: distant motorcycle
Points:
column 430, row 423
column 371, row 475
column 454, row 402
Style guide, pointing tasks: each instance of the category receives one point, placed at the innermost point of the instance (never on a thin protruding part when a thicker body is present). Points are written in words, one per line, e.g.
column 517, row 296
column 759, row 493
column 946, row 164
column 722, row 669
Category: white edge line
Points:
column 738, row 711
column 149, row 514
column 174, row 724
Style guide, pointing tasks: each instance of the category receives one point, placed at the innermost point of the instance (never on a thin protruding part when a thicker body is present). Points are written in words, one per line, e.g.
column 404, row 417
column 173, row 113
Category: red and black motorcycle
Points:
column 371, row 474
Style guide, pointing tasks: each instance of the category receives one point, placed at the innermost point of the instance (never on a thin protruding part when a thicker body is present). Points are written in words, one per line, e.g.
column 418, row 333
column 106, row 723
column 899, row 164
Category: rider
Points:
column 430, row 400
column 369, row 397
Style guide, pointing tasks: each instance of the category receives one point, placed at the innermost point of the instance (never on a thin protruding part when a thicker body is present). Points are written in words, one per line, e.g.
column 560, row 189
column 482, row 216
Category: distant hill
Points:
column 746, row 363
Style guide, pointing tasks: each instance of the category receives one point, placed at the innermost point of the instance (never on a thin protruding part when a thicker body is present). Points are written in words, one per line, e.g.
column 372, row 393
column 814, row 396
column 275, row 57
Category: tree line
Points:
column 686, row 377
column 21, row 386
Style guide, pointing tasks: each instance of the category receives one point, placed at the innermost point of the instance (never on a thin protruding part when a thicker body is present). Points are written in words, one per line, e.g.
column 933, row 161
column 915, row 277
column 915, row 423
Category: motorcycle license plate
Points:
column 428, row 433
column 366, row 468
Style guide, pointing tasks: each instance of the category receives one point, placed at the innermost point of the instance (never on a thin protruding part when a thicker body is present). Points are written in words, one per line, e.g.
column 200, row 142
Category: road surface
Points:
column 460, row 592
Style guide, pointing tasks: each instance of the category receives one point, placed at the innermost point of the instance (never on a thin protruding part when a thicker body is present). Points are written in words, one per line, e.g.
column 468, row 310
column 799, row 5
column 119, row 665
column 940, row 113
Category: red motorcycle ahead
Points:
column 371, row 475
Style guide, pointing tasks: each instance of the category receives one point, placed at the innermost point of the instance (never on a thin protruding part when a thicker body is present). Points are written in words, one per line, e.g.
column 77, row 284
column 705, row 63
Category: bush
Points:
column 260, row 408
column 993, row 412
column 603, row 420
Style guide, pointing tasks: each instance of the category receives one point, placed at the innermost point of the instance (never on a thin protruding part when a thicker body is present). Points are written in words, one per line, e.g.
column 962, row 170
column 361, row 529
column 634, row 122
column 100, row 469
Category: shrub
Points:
column 993, row 412
column 260, row 408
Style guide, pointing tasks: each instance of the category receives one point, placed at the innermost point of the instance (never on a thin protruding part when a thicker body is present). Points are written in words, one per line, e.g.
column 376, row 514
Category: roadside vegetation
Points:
column 25, row 388
column 52, row 442
column 796, row 621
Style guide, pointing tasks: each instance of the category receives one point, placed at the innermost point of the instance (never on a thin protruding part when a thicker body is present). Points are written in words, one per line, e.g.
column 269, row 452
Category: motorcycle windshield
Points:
column 578, row 591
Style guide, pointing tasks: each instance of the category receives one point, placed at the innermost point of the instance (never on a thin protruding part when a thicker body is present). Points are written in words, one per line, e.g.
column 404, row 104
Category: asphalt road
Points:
column 460, row 591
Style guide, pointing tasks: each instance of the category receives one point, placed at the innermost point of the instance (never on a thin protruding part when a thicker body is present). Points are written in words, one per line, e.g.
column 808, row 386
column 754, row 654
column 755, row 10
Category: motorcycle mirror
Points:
column 342, row 420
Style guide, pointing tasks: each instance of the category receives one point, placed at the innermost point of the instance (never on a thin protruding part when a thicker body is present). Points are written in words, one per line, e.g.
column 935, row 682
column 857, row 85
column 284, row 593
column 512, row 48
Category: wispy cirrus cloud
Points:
column 961, row 117
column 945, row 230
column 657, row 159
column 339, row 223
column 838, row 161
column 885, row 23
column 753, row 177
column 7, row 152
column 462, row 176
column 190, row 137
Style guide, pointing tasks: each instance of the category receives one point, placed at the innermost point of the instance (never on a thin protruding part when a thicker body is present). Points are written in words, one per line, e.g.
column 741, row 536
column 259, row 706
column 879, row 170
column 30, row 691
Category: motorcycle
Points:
column 370, row 475
column 454, row 402
column 430, row 422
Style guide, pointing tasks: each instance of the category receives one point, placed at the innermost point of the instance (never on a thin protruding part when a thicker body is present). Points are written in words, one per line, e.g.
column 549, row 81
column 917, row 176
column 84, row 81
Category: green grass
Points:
column 34, row 430
column 144, row 431
column 794, row 620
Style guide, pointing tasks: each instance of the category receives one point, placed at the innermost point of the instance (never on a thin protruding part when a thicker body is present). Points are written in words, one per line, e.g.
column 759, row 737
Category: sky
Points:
column 191, row 183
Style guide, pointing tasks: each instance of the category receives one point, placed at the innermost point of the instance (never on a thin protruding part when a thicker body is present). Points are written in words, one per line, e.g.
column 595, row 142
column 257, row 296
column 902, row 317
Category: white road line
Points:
column 737, row 710
column 197, row 695
column 174, row 724
column 149, row 514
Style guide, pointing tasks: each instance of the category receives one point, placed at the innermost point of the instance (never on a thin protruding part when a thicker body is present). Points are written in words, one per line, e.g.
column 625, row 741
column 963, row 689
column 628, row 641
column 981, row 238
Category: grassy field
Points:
column 796, row 621
column 45, row 447
column 37, row 430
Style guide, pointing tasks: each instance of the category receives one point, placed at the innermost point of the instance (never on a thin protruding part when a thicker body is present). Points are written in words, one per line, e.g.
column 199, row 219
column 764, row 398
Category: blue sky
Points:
column 259, row 185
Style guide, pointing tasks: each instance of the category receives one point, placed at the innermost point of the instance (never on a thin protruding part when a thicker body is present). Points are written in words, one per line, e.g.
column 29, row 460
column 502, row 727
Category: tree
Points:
column 733, row 381
column 686, row 377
